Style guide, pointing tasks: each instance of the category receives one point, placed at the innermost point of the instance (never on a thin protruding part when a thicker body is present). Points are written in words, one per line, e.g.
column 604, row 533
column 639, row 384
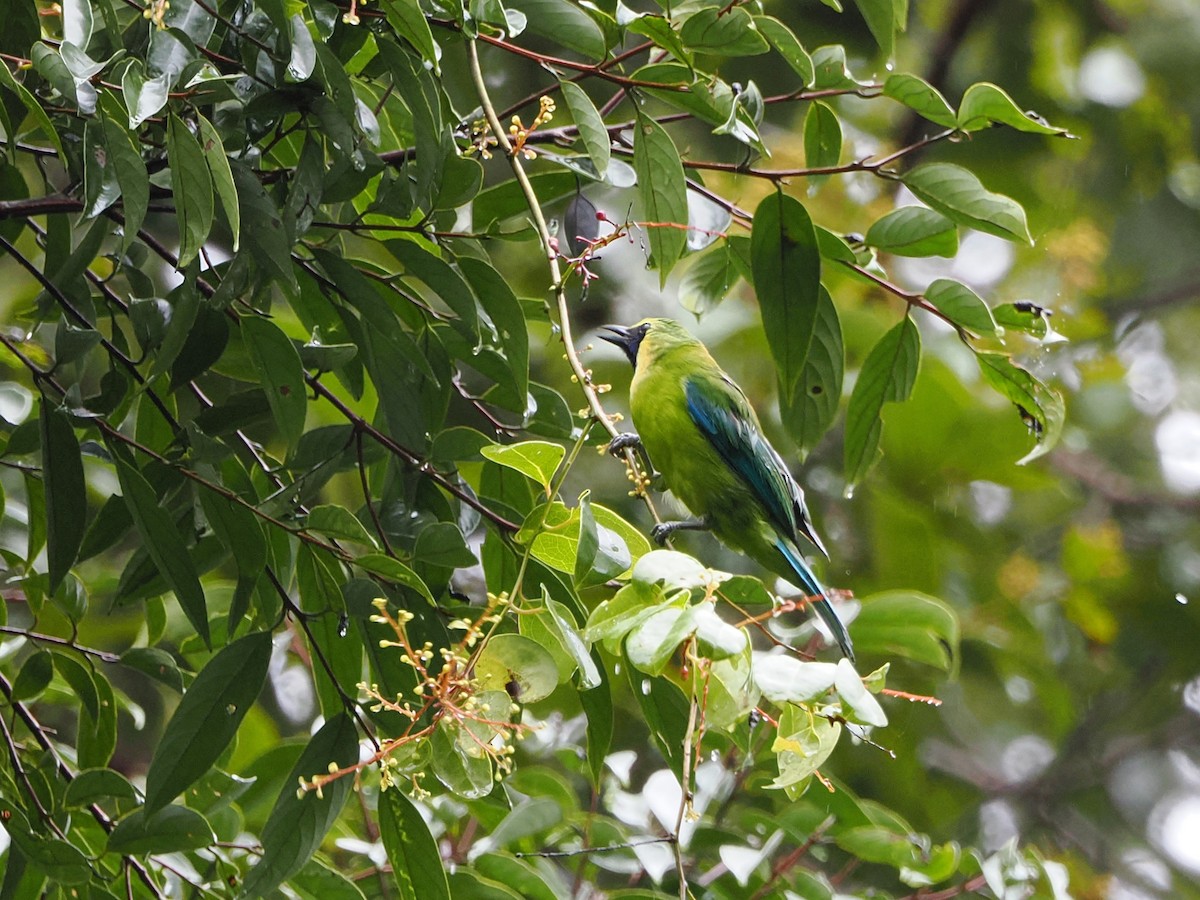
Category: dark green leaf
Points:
column 143, row 97
column 239, row 532
column 662, row 192
column 442, row 544
column 590, row 125
column 407, row 18
column 416, row 863
column 192, row 187
column 564, row 23
column 338, row 522
column 267, row 238
column 125, row 160
column 886, row 376
column 93, row 785
column 298, row 824
column 441, row 278
column 318, row 882
column 169, row 830
column 819, row 390
column 279, row 370
column 156, row 663
column 723, row 31
column 164, row 544
column 79, row 676
column 207, row 717
column 33, row 677
column 66, row 492
column 35, row 109
column 787, row 278
column 822, row 137
column 221, row 174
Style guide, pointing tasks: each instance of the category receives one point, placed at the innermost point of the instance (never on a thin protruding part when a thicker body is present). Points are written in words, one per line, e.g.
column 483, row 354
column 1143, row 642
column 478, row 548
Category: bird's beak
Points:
column 627, row 339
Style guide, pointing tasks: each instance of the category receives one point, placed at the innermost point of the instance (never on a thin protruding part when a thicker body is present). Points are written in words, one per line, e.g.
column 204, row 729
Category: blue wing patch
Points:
column 739, row 443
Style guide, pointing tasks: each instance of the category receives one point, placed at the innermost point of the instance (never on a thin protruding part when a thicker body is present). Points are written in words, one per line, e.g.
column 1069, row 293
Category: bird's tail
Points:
column 819, row 599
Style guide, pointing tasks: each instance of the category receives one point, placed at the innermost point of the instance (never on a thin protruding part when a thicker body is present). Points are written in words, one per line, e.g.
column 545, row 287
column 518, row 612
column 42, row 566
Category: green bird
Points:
column 697, row 428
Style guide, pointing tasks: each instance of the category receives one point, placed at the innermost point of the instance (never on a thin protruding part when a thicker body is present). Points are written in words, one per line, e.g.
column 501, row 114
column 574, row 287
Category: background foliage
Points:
column 300, row 425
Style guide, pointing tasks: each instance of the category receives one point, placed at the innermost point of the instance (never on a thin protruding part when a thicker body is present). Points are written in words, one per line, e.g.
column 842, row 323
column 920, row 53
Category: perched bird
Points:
column 700, row 432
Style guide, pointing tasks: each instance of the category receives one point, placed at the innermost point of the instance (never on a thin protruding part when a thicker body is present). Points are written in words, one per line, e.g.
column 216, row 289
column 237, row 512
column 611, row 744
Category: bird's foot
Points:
column 661, row 533
column 626, row 440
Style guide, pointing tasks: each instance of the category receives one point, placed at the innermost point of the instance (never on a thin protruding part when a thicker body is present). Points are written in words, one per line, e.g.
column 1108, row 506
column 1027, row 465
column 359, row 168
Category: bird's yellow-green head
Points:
column 648, row 338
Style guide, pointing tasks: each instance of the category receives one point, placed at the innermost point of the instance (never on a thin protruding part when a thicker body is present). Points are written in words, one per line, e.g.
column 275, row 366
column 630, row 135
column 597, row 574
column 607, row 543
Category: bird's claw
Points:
column 661, row 533
column 626, row 440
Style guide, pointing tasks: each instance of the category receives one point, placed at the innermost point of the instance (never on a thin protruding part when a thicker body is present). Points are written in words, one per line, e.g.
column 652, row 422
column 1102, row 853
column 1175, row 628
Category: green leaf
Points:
column 914, row 231
column 537, row 459
column 590, row 124
column 723, row 31
column 921, row 97
column 267, row 238
column 239, row 531
column 442, row 544
column 563, row 23
column 126, row 161
column 34, row 108
column 395, row 571
column 192, row 188
column 887, row 376
column 338, row 522
column 504, row 309
column 802, row 744
column 93, row 785
column 207, row 717
column 66, row 492
column 961, row 305
column 100, row 186
column 222, row 176
column 957, row 194
column 412, row 852
column 517, row 665
column 170, row 830
column 34, row 676
column 883, row 20
column 79, row 677
column 165, row 545
column 662, row 192
column 787, row 278
column 822, row 137
column 787, row 45
column 297, row 825
column 909, row 624
column 985, row 103
column 1041, row 407
column 1024, row 316
column 665, row 708
column 819, row 390
column 277, row 363
column 708, row 280
column 318, row 882
column 467, row 773
column 443, row 279
column 406, row 17
column 55, row 859
column 98, row 736
column 158, row 664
